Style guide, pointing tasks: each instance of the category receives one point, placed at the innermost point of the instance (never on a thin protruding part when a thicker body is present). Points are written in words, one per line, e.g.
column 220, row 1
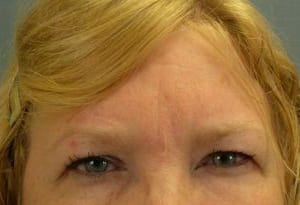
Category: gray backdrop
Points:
column 283, row 15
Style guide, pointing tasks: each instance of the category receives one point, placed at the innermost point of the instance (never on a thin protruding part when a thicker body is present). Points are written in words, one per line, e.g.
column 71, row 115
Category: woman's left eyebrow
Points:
column 218, row 132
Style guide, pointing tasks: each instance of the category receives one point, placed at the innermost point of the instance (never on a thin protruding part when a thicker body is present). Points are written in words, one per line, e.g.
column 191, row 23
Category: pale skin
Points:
column 162, row 126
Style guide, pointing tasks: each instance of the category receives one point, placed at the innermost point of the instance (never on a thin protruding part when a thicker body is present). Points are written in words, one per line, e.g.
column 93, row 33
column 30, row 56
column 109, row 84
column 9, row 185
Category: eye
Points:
column 94, row 165
column 226, row 159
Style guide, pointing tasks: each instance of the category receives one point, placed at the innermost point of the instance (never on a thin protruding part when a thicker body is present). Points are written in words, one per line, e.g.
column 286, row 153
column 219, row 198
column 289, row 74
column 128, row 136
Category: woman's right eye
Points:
column 94, row 165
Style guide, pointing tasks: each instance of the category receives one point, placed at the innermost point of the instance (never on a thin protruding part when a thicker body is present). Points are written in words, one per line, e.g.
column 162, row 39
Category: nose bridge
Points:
column 167, row 188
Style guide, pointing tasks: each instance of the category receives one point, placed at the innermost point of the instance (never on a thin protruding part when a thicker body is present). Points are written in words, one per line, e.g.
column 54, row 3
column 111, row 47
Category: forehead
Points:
column 184, row 78
column 183, row 84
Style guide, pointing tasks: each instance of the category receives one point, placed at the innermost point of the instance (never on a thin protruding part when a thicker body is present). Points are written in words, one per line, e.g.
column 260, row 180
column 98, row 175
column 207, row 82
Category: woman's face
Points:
column 180, row 130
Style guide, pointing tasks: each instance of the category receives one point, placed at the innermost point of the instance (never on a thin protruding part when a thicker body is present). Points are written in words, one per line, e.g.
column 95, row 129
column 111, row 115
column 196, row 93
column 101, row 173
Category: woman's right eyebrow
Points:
column 103, row 135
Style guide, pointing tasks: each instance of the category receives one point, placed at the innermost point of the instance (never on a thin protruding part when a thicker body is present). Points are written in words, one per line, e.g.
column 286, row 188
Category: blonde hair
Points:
column 58, row 36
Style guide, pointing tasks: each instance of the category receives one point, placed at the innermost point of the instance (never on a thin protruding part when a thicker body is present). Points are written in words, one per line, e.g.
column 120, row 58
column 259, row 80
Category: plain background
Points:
column 282, row 14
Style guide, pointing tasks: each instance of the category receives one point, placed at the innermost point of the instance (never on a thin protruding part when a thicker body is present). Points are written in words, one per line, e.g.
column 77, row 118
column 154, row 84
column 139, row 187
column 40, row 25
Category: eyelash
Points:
column 244, row 159
column 75, row 162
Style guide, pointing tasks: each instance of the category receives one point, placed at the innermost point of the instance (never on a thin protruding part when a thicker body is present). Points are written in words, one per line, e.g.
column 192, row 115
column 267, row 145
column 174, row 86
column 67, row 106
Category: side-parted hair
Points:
column 57, row 38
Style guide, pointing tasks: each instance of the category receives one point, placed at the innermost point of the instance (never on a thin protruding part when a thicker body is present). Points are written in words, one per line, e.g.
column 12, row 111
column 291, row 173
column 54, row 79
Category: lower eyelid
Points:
column 87, row 174
column 248, row 167
column 109, row 178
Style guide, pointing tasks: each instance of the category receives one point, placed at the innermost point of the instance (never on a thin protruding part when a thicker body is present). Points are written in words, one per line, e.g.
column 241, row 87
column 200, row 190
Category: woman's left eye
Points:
column 226, row 159
column 94, row 165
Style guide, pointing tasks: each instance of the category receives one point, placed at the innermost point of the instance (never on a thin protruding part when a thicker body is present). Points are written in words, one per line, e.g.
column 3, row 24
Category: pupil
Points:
column 226, row 159
column 96, row 165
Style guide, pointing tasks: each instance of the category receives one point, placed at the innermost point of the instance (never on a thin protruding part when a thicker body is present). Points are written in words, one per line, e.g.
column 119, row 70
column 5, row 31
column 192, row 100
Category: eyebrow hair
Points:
column 118, row 136
column 243, row 132
column 227, row 129
column 106, row 135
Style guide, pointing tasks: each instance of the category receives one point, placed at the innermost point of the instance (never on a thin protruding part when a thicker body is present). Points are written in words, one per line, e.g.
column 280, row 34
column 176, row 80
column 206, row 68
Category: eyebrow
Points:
column 229, row 129
column 105, row 135
column 120, row 137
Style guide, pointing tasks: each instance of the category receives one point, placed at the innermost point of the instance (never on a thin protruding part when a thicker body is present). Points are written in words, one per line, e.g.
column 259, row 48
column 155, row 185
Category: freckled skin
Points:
column 181, row 88
column 74, row 145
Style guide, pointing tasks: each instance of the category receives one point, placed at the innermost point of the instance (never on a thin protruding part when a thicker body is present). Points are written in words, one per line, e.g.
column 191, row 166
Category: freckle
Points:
column 73, row 145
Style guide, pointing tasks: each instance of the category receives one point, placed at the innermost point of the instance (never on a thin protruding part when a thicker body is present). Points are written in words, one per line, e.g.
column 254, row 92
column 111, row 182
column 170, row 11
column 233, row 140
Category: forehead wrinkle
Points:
column 168, row 94
column 168, row 89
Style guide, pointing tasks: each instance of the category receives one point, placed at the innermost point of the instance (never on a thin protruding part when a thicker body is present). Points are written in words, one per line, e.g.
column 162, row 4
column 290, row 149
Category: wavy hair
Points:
column 57, row 37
